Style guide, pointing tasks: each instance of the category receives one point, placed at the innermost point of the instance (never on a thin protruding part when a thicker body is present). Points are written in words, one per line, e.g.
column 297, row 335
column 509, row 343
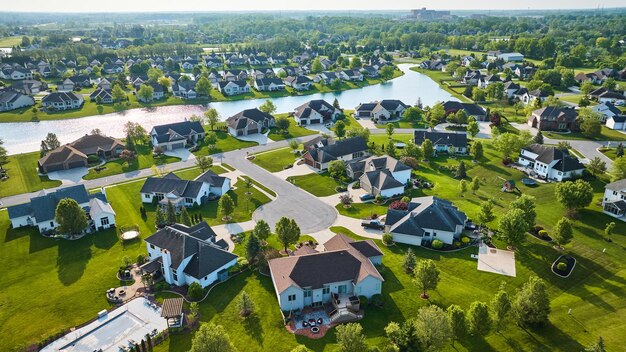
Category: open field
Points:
column 23, row 176
column 275, row 160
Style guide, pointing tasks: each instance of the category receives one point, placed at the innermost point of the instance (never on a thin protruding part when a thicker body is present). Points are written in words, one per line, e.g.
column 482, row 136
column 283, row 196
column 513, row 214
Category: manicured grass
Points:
column 572, row 98
column 144, row 160
column 606, row 134
column 321, row 185
column 609, row 152
column 225, row 143
column 362, row 210
column 8, row 42
column 258, row 184
column 275, row 160
column 293, row 131
column 439, row 77
column 379, row 139
column 191, row 173
column 23, row 176
column 404, row 123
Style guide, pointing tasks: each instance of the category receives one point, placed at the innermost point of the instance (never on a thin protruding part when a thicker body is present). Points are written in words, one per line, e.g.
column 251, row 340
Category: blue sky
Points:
column 277, row 5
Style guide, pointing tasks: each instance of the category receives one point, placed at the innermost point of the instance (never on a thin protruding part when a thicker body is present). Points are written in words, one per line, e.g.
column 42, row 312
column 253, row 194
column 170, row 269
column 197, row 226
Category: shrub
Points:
column 380, row 198
column 363, row 300
column 465, row 239
column 242, row 262
column 405, row 199
column 92, row 159
column 436, row 244
column 377, row 299
column 356, row 185
column 536, row 229
column 561, row 266
column 543, row 234
column 456, row 244
column 195, row 292
column 161, row 285
column 387, row 238
column 341, row 189
column 399, row 205
column 141, row 259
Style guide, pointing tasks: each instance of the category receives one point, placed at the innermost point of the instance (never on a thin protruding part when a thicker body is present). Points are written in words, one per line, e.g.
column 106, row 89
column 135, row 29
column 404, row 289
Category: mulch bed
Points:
column 546, row 238
column 570, row 261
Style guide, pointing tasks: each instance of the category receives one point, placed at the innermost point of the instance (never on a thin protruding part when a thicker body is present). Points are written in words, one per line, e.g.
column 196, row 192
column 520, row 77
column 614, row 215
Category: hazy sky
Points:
column 250, row 5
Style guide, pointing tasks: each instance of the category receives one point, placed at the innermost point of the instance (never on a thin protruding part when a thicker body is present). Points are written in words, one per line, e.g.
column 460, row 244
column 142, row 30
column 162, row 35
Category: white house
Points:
column 233, row 87
column 10, row 100
column 321, row 151
column 315, row 111
column 184, row 193
column 617, row 122
column 614, row 200
column 40, row 211
column 425, row 220
column 269, row 84
column 511, row 57
column 184, row 255
column 382, row 175
column 176, row 135
column 381, row 110
column 62, row 101
column 310, row 278
column 443, row 142
column 550, row 163
column 249, row 121
column 299, row 83
column 607, row 110
column 16, row 74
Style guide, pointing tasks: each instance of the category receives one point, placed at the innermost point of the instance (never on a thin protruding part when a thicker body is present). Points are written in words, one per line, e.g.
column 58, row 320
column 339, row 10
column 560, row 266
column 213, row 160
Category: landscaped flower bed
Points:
column 564, row 265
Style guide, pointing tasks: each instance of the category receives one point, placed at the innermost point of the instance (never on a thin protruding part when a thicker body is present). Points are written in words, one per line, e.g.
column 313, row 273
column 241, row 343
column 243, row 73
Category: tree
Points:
column 262, row 230
column 462, row 187
column 154, row 74
column 268, row 107
column 52, row 142
column 426, row 276
column 316, row 66
column 293, row 144
column 412, row 113
column 203, row 86
column 300, row 348
column 70, row 217
column 127, row 156
column 386, row 72
column 432, row 327
column 161, row 219
column 359, row 132
column 389, row 129
column 436, row 114
column 170, row 213
column 518, row 106
column 282, row 124
column 526, row 203
column 165, row 82
column 409, row 260
column 336, row 169
column 485, row 214
column 460, row 171
column 563, row 232
column 212, row 117
column 195, row 292
column 563, row 145
column 574, row 195
column 184, row 217
column 4, row 158
column 538, row 137
column 43, row 149
column 472, row 127
column 590, row 126
column 477, row 150
column 509, row 143
column 513, row 227
column 340, row 129
column 597, row 346
column 500, row 308
column 350, row 338
column 253, row 246
column 618, row 169
column 336, row 104
column 478, row 319
column 458, row 324
column 130, row 144
column 245, row 304
column 391, row 148
column 210, row 138
column 204, row 162
column 427, row 148
column 619, row 151
column 145, row 93
column 586, row 88
column 346, row 199
column 287, row 231
column 596, row 166
column 531, row 306
column 118, row 94
column 475, row 184
column 226, row 206
column 478, row 94
column 608, row 230
column 212, row 338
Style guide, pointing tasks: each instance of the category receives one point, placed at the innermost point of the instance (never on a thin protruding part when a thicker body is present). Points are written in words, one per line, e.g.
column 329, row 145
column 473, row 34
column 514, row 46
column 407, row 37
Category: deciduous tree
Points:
column 212, row 117
column 350, row 338
column 268, row 107
column 262, row 230
column 596, row 166
column 458, row 324
column 432, row 328
column 226, row 206
column 478, row 319
column 211, row 338
column 563, row 232
column 531, row 305
column 526, row 203
column 70, row 217
column 287, row 231
column 426, row 276
column 513, row 226
column 574, row 195
column 204, row 162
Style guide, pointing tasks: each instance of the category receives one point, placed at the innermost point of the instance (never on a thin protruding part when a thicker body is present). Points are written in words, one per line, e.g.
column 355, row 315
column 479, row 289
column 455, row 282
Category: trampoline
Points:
column 529, row 181
column 129, row 235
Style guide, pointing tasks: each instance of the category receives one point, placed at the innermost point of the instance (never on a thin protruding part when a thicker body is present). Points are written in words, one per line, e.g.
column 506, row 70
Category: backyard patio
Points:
column 496, row 261
column 312, row 323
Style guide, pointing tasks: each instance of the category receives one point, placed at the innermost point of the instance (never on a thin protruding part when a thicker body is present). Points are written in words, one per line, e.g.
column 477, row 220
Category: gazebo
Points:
column 172, row 311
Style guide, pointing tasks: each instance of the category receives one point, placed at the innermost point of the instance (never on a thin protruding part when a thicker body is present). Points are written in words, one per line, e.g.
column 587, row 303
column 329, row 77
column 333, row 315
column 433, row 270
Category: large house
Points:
column 269, row 84
column 233, row 87
column 183, row 255
column 101, row 95
column 249, row 121
column 607, row 110
column 445, row 142
column 553, row 118
column 471, row 110
column 550, row 163
column 76, row 154
column 614, row 200
column 40, row 211
column 185, row 89
column 380, row 175
column 16, row 74
column 315, row 111
column 324, row 150
column 184, row 193
column 312, row 279
column 29, row 86
column 10, row 100
column 62, row 101
column 176, row 135
column 73, row 83
column 381, row 110
column 426, row 219
column 299, row 83
column 616, row 122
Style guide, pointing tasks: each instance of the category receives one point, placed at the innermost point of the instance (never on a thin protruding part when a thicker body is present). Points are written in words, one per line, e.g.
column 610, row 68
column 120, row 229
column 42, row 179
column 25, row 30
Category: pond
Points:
column 23, row 137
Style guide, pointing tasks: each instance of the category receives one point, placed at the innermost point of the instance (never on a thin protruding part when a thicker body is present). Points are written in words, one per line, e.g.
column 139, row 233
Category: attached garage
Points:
column 75, row 164
column 407, row 239
column 312, row 121
column 253, row 131
column 50, row 168
column 177, row 145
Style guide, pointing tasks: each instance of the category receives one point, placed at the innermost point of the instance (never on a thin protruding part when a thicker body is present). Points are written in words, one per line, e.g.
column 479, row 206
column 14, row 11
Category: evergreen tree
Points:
column 538, row 137
column 409, row 260
column 245, row 304
column 619, row 151
column 184, row 217
column 477, row 150
column 130, row 145
column 531, row 306
column 460, row 171
column 253, row 247
column 170, row 213
column 262, row 230
column 161, row 219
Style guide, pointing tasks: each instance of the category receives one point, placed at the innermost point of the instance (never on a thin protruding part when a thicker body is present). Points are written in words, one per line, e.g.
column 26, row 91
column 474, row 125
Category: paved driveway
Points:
column 183, row 153
column 69, row 177
column 262, row 139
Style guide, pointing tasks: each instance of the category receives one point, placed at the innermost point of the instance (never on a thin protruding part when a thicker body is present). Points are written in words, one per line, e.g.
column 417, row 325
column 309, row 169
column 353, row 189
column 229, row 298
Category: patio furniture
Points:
column 312, row 322
column 122, row 292
column 305, row 324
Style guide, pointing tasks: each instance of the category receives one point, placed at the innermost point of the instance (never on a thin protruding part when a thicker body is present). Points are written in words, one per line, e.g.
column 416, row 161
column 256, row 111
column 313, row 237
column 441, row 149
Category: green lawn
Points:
column 23, row 176
column 606, row 134
column 440, row 77
column 225, row 143
column 404, row 123
column 275, row 160
column 144, row 160
column 191, row 173
column 609, row 152
column 379, row 139
column 259, row 185
column 362, row 210
column 293, row 131
column 8, row 42
column 321, row 185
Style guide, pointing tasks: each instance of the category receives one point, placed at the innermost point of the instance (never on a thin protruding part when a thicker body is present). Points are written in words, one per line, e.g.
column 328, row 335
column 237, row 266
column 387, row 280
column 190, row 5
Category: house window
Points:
column 325, row 290
column 291, row 298
column 189, row 200
column 175, row 276
column 342, row 289
column 434, row 234
column 104, row 221
column 159, row 196
column 152, row 246
column 308, row 293
column 51, row 223
column 426, row 234
column 146, row 196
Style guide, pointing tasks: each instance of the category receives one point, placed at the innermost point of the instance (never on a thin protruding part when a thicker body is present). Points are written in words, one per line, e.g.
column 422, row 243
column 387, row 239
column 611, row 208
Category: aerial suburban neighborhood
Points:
column 312, row 177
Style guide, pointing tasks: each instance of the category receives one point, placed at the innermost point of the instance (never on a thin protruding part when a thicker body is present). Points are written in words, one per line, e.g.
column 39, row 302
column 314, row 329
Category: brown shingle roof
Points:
column 172, row 307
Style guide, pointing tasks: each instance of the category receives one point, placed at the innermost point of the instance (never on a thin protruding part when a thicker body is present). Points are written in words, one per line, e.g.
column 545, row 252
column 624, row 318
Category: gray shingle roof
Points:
column 43, row 207
column 425, row 213
column 458, row 140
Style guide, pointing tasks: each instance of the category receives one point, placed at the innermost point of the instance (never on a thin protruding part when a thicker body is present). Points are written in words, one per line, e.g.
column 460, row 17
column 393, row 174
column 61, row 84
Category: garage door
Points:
column 253, row 131
column 178, row 145
column 315, row 121
column 54, row 168
column 76, row 164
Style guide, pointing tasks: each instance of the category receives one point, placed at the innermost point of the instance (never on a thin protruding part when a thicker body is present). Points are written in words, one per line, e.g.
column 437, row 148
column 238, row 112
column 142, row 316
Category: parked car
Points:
column 366, row 196
column 372, row 224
